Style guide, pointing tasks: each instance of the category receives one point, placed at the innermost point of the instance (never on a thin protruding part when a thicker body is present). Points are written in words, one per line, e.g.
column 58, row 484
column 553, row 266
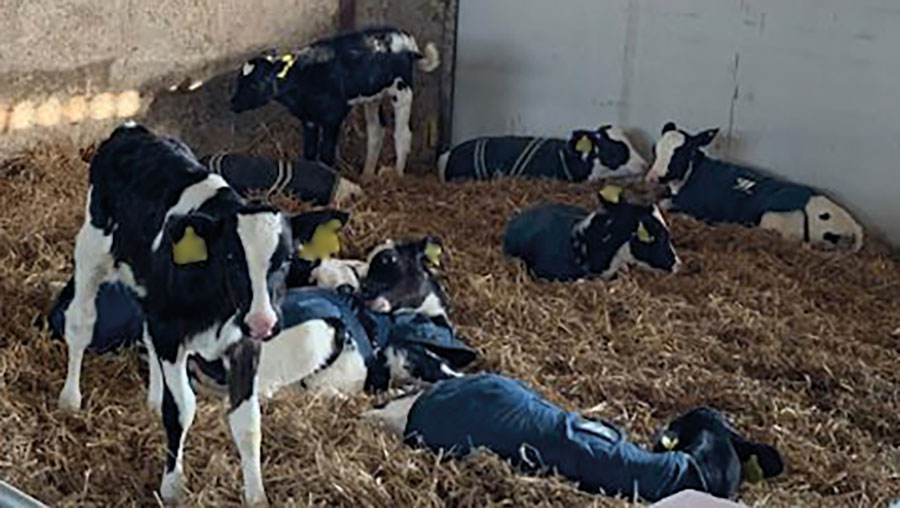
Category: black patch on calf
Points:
column 832, row 238
column 613, row 154
column 172, row 424
column 243, row 363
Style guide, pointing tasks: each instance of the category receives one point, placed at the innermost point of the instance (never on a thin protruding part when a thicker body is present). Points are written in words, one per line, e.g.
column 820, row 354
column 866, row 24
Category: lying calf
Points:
column 586, row 155
column 321, row 82
column 457, row 416
column 562, row 242
column 305, row 181
column 717, row 191
column 699, row 432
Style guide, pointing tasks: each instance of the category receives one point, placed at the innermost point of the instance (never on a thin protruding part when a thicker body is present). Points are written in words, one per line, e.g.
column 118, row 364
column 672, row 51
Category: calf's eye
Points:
column 825, row 216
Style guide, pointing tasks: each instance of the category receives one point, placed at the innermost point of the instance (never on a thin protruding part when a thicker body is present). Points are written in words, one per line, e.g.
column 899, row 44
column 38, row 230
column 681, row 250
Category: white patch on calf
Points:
column 636, row 164
column 394, row 415
column 176, row 379
column 246, row 428
column 294, row 354
column 401, row 42
column 334, row 273
column 398, row 365
column 347, row 375
column 260, row 234
column 374, row 138
column 665, row 149
column 93, row 267
column 620, row 260
column 192, row 197
column 386, row 245
column 826, row 216
column 659, row 216
column 346, row 191
column 442, row 165
column 788, row 224
column 247, row 69
column 431, row 306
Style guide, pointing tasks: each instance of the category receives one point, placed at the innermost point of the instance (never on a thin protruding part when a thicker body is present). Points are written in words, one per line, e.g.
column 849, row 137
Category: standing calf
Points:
column 207, row 269
column 321, row 82
column 716, row 191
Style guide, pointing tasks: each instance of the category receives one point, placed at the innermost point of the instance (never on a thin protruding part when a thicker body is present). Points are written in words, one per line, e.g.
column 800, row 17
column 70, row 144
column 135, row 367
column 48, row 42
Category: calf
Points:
column 305, row 181
column 333, row 340
column 562, row 242
column 458, row 416
column 208, row 272
column 321, row 82
column 586, row 155
column 725, row 456
column 717, row 191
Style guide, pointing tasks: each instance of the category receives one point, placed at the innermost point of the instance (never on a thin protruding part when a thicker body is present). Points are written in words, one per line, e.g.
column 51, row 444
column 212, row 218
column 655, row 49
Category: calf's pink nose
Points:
column 261, row 324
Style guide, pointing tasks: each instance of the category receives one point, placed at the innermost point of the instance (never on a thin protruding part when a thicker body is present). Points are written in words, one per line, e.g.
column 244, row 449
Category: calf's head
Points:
column 257, row 82
column 400, row 277
column 723, row 454
column 675, row 152
column 243, row 256
column 608, row 150
column 623, row 233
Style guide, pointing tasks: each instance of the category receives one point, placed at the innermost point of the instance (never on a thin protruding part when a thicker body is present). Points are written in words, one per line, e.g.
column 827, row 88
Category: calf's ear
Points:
column 432, row 249
column 706, row 137
column 759, row 460
column 581, row 142
column 315, row 234
column 188, row 235
column 669, row 126
column 611, row 196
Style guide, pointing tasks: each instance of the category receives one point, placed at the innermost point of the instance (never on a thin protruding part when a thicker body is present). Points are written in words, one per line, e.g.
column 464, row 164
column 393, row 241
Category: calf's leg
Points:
column 330, row 134
column 155, row 382
column 242, row 361
column 93, row 265
column 178, row 407
column 402, row 97
column 374, row 138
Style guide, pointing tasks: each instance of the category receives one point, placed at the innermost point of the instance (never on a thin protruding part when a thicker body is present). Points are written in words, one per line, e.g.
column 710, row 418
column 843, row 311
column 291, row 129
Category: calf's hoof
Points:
column 69, row 400
column 257, row 503
column 172, row 488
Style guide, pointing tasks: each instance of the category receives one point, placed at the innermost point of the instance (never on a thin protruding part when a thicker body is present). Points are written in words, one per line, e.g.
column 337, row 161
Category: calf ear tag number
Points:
column 190, row 249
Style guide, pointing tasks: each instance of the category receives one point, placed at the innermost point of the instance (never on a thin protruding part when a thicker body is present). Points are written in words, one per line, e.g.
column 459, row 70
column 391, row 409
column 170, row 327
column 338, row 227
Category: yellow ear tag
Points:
column 324, row 242
column 669, row 442
column 753, row 472
column 433, row 253
column 611, row 193
column 190, row 249
column 642, row 233
column 288, row 63
column 584, row 145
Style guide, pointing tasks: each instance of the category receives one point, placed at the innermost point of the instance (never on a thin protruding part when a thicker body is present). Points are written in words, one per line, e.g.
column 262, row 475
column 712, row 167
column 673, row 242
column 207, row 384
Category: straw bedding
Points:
column 798, row 346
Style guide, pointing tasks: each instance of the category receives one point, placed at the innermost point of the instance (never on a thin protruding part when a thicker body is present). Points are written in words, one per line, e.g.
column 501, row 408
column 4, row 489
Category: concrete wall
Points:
column 52, row 51
column 804, row 88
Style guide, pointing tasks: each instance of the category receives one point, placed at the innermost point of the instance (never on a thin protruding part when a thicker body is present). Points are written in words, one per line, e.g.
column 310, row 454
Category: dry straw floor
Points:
column 798, row 346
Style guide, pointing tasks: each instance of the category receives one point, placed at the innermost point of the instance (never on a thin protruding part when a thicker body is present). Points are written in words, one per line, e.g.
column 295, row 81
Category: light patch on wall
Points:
column 128, row 104
column 49, row 113
column 103, row 106
column 75, row 109
column 22, row 116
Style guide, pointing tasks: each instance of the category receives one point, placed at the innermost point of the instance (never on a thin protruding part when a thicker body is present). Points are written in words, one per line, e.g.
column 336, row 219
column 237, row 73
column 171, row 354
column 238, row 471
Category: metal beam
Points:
column 11, row 497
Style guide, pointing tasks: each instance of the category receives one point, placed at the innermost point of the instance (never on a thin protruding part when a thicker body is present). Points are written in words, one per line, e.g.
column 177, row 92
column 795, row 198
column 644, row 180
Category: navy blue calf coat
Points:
column 542, row 237
column 503, row 415
column 493, row 157
column 717, row 191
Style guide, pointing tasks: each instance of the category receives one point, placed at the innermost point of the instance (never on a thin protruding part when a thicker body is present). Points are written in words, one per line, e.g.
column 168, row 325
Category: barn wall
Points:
column 806, row 89
column 54, row 50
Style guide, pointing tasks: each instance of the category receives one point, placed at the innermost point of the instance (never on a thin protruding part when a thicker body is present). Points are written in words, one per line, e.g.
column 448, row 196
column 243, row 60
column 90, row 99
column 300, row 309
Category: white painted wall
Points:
column 808, row 89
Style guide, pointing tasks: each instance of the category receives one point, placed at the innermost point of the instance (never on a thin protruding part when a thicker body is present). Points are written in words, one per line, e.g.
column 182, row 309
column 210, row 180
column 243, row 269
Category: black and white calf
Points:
column 208, row 271
column 717, row 191
column 321, row 82
column 333, row 340
column 305, row 181
column 563, row 242
column 586, row 155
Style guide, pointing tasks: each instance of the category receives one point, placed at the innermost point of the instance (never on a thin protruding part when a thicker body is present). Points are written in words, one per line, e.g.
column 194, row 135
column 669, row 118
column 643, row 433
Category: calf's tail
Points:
column 431, row 59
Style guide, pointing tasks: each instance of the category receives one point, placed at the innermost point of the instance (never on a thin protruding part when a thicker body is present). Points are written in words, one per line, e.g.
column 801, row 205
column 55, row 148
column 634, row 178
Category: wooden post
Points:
column 346, row 15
